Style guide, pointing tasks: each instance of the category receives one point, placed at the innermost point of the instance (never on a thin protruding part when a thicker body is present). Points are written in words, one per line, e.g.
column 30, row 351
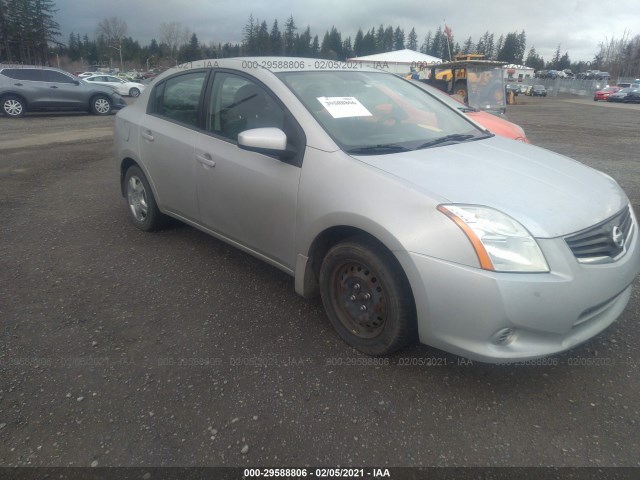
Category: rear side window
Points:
column 31, row 74
column 178, row 98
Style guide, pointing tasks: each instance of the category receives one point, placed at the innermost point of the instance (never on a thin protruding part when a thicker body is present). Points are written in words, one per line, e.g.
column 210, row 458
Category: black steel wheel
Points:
column 367, row 297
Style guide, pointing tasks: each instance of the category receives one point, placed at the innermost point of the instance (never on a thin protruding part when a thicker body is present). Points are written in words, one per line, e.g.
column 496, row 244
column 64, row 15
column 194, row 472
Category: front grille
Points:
column 605, row 241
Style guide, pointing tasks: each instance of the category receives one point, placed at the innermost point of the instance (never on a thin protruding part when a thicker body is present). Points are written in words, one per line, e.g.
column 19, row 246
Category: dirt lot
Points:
column 174, row 349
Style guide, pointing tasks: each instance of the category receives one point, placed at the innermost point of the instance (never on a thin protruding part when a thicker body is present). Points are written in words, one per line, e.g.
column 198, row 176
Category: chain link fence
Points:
column 573, row 86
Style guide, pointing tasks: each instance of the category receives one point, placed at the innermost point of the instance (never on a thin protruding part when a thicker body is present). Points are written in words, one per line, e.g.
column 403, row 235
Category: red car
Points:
column 604, row 93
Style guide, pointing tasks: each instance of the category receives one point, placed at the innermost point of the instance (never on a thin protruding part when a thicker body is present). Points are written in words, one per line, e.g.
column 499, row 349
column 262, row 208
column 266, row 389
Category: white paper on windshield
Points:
column 342, row 107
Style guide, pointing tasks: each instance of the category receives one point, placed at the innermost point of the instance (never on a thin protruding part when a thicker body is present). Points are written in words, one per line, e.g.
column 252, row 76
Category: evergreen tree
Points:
column 556, row 58
column 426, row 45
column 387, row 39
column 263, row 40
column 510, row 49
column 380, row 43
column 412, row 40
column 191, row 52
column 315, row 47
column 358, row 43
column 522, row 45
column 369, row 46
column 398, row 39
column 5, row 49
column 303, row 43
column 347, row 49
column 290, row 37
column 275, row 39
column 468, row 46
column 564, row 61
column 249, row 39
column 533, row 60
column 438, row 44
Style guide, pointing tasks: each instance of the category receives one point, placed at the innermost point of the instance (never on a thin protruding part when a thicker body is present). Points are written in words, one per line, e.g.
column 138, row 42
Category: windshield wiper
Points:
column 454, row 138
column 383, row 148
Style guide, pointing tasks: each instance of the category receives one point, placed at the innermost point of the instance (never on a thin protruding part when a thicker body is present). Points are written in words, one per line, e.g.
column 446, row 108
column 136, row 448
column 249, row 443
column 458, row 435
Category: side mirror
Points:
column 268, row 141
column 76, row 82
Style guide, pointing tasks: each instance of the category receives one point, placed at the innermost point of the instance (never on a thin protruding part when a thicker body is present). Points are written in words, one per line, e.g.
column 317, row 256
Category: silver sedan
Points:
column 412, row 222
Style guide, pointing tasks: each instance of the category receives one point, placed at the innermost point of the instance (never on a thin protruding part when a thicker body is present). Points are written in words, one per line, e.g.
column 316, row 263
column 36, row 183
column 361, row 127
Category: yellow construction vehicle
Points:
column 478, row 82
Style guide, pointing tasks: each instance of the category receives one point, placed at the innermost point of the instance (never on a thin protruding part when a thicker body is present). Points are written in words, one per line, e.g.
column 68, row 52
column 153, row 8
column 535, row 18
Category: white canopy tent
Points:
column 398, row 61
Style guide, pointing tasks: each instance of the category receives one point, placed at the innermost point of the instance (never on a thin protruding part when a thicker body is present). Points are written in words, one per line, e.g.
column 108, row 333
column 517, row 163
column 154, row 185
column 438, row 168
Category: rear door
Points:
column 168, row 133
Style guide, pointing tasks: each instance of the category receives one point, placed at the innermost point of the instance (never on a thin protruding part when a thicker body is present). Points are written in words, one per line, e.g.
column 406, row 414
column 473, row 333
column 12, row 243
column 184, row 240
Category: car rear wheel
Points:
column 13, row 106
column 134, row 92
column 101, row 105
column 143, row 210
column 367, row 297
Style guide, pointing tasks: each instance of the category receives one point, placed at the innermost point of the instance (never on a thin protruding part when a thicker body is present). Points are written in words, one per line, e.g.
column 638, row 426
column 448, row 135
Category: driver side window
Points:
column 238, row 104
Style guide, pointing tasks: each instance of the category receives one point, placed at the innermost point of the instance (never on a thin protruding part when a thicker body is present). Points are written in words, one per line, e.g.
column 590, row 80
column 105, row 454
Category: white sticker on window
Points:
column 342, row 107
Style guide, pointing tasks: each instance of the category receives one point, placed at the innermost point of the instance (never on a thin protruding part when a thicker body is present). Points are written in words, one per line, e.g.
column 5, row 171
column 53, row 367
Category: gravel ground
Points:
column 174, row 349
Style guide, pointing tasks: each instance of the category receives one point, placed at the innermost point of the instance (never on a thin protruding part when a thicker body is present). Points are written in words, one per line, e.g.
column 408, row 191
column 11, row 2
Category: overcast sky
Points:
column 578, row 26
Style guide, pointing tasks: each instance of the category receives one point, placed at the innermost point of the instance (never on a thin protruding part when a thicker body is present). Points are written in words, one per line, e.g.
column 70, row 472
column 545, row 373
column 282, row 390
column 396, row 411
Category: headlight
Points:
column 501, row 243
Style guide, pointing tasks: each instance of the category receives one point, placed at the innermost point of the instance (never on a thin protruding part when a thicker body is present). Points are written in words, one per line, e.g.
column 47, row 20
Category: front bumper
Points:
column 464, row 310
column 117, row 102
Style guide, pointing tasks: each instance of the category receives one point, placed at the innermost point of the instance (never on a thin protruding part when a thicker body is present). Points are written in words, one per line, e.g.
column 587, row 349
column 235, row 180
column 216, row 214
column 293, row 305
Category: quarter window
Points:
column 31, row 74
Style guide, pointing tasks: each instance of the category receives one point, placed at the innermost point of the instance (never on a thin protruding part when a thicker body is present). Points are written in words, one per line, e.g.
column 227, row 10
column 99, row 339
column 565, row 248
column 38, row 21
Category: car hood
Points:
column 550, row 194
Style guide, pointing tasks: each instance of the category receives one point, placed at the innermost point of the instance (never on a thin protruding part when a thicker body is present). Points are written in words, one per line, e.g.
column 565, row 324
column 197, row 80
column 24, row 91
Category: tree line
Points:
column 27, row 30
column 29, row 34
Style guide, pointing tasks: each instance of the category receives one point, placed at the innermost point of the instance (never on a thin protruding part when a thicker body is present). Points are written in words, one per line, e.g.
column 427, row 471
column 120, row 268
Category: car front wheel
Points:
column 134, row 92
column 367, row 297
column 143, row 210
column 13, row 106
column 101, row 105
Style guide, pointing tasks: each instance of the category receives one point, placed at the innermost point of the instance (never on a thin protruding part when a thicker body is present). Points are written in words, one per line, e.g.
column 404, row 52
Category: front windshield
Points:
column 377, row 113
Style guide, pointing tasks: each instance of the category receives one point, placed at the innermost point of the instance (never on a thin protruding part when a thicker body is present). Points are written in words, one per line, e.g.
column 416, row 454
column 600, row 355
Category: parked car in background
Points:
column 635, row 84
column 510, row 87
column 632, row 97
column 620, row 94
column 411, row 222
column 123, row 87
column 495, row 124
column 86, row 74
column 539, row 91
column 604, row 93
column 24, row 89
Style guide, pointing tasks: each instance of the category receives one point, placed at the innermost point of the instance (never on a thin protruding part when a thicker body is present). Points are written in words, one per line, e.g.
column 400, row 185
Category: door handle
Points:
column 18, row 84
column 206, row 160
column 147, row 135
column 53, row 86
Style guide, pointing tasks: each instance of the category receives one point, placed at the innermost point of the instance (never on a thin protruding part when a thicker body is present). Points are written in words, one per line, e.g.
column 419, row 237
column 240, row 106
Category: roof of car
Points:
column 275, row 64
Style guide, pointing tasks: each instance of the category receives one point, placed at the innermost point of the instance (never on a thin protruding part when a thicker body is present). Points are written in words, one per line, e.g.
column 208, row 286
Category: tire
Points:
column 101, row 105
column 134, row 92
column 460, row 89
column 367, row 297
column 142, row 207
column 13, row 106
